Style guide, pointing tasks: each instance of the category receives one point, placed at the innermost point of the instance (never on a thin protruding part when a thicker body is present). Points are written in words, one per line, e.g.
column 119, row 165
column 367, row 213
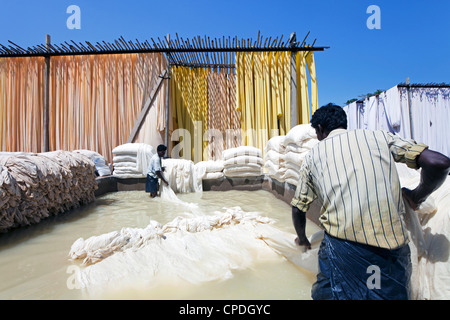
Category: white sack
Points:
column 300, row 133
column 241, row 151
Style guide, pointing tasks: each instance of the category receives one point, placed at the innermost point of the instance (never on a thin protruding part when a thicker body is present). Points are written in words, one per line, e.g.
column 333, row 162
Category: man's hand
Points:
column 410, row 197
column 304, row 242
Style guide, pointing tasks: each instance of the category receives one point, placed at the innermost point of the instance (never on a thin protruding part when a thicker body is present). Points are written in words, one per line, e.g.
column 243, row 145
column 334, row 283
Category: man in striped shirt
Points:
column 353, row 175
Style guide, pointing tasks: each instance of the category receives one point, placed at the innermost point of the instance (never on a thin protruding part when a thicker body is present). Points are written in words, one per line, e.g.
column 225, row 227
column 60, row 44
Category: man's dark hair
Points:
column 161, row 147
column 330, row 117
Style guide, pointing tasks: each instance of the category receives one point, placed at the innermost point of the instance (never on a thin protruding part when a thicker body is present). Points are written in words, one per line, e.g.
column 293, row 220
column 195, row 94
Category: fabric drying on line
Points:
column 419, row 113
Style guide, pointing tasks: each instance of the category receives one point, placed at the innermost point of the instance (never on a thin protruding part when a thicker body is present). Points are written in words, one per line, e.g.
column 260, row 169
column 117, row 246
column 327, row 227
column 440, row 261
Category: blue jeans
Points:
column 354, row 271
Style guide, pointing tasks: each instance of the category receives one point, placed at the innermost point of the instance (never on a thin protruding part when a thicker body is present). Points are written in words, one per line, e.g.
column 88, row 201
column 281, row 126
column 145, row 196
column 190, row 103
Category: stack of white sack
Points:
column 210, row 169
column 429, row 231
column 298, row 142
column 274, row 158
column 101, row 166
column 131, row 160
column 243, row 161
column 182, row 175
column 35, row 186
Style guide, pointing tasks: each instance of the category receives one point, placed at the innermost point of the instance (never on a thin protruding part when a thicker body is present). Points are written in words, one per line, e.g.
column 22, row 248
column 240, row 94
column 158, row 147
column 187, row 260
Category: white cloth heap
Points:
column 131, row 160
column 210, row 169
column 99, row 161
column 34, row 186
column 182, row 175
column 429, row 231
column 195, row 250
column 284, row 154
column 274, row 158
column 243, row 161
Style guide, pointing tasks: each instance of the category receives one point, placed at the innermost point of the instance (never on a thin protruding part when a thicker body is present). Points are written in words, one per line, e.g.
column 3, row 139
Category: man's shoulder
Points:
column 155, row 157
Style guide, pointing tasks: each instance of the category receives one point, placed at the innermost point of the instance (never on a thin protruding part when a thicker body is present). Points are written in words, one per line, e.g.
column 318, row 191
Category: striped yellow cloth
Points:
column 354, row 176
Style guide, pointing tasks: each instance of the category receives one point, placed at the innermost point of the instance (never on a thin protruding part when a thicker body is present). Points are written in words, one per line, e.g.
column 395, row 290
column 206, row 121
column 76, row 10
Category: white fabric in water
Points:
column 194, row 250
column 168, row 194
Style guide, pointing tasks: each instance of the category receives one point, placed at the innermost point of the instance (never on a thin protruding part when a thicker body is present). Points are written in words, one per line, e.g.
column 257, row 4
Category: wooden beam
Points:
column 166, row 133
column 46, row 97
column 293, row 105
column 147, row 107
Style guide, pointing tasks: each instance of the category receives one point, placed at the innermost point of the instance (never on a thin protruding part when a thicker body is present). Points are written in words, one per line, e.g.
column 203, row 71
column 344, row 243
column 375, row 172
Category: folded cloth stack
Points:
column 101, row 166
column 34, row 186
column 131, row 160
column 243, row 161
column 274, row 158
column 181, row 175
column 298, row 142
column 210, row 169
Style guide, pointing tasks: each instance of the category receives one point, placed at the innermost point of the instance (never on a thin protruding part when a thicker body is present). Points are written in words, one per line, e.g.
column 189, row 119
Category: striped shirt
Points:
column 354, row 176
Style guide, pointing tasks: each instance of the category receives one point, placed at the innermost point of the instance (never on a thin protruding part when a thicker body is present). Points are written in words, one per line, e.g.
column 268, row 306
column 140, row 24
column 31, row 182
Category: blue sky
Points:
column 414, row 39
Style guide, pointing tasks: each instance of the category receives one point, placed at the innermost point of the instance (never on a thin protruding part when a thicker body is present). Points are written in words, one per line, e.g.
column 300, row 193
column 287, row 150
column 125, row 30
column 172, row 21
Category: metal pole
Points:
column 166, row 137
column 46, row 96
column 408, row 87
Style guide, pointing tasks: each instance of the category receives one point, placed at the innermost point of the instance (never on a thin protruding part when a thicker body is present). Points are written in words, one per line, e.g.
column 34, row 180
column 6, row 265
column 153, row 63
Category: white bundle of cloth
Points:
column 195, row 249
column 182, row 175
column 429, row 231
column 243, row 161
column 101, row 166
column 131, row 160
column 298, row 142
column 210, row 169
column 34, row 186
column 274, row 158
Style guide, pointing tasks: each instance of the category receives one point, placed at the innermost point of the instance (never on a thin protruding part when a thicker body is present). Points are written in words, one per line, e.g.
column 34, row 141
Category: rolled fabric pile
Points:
column 274, row 153
column 34, row 186
column 298, row 142
column 101, row 166
column 211, row 169
column 243, row 161
column 131, row 160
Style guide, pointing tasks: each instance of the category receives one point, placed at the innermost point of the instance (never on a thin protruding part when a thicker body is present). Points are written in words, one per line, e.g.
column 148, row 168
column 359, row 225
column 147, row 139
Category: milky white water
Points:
column 34, row 261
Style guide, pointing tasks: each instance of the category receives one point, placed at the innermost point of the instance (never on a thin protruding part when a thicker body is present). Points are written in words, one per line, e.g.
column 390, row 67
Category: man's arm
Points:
column 435, row 168
column 299, row 221
column 159, row 175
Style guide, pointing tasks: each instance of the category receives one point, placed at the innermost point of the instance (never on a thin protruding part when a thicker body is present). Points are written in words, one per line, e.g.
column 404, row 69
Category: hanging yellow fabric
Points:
column 190, row 96
column 312, row 72
column 302, row 89
column 263, row 90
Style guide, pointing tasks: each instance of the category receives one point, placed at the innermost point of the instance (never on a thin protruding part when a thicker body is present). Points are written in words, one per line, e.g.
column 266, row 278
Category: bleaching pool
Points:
column 34, row 262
